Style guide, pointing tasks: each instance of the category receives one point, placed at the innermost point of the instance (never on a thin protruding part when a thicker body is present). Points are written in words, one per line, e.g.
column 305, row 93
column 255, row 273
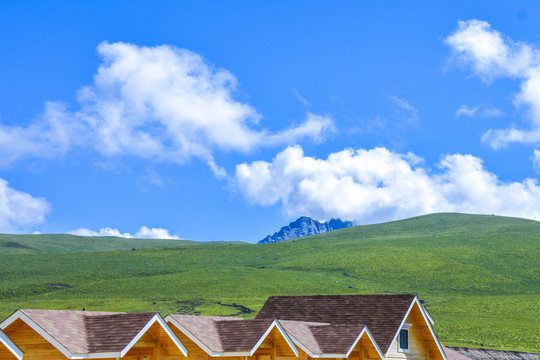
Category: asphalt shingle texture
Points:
column 382, row 314
column 82, row 332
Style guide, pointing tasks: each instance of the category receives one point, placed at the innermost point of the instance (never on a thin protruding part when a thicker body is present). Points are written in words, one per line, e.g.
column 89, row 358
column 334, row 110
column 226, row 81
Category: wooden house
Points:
column 63, row 334
column 398, row 323
column 351, row 327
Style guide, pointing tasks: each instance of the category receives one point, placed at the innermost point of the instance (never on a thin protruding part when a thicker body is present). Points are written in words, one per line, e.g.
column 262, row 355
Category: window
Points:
column 404, row 340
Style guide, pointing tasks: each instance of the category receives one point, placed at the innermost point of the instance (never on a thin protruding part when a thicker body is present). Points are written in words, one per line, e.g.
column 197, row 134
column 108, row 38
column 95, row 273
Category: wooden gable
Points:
column 365, row 349
column 154, row 344
column 155, row 341
column 31, row 343
column 275, row 345
column 422, row 343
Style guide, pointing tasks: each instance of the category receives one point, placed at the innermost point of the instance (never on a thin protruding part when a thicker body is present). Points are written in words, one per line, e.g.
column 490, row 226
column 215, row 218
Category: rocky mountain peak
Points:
column 305, row 226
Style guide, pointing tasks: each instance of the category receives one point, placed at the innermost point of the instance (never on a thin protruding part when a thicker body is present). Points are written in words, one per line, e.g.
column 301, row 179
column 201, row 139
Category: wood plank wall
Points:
column 422, row 345
column 33, row 345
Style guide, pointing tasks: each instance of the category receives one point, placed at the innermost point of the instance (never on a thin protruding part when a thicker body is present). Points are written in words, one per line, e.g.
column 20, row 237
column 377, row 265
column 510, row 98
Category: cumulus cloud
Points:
column 155, row 233
column 19, row 210
column 492, row 56
column 483, row 110
column 160, row 103
column 52, row 134
column 375, row 185
column 143, row 233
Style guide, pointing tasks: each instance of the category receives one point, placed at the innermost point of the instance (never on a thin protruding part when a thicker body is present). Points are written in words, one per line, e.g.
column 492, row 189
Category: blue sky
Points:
column 227, row 120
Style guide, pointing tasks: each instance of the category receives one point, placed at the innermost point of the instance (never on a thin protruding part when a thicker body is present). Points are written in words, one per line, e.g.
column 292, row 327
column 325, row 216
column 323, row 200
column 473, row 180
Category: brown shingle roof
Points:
column 382, row 314
column 112, row 333
column 204, row 328
column 224, row 334
column 242, row 335
column 323, row 338
column 82, row 332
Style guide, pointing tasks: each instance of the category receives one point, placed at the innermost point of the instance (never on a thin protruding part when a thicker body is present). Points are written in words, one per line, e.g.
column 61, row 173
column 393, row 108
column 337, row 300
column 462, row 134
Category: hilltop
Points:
column 65, row 243
column 479, row 276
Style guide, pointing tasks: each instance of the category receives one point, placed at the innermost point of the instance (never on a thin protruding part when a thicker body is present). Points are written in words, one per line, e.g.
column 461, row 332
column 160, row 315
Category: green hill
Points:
column 63, row 243
column 478, row 275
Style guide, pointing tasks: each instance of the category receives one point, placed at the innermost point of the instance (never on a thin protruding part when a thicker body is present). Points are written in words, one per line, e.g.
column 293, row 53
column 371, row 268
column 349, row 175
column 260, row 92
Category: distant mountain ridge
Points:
column 305, row 226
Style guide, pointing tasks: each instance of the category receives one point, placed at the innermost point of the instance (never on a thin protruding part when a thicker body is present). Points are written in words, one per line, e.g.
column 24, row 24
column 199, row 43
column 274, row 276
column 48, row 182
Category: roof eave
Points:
column 19, row 314
column 106, row 355
column 192, row 337
column 229, row 354
column 10, row 345
column 333, row 356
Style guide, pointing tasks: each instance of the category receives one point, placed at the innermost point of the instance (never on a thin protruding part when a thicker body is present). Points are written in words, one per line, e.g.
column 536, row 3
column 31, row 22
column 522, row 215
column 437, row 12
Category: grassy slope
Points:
column 479, row 275
column 63, row 243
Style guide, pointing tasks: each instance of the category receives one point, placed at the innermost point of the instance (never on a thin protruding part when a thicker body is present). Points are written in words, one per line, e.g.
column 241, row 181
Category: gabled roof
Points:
column 226, row 336
column 382, row 314
column 326, row 340
column 79, row 333
column 6, row 342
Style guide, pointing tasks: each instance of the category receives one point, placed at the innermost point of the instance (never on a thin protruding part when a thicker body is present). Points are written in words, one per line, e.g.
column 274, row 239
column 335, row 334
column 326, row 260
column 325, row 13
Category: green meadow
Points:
column 479, row 276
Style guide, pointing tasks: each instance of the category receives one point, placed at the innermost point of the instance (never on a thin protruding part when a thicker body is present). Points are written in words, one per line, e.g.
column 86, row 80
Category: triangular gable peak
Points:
column 420, row 337
column 324, row 340
column 80, row 334
column 156, row 338
column 8, row 349
column 230, row 337
column 365, row 346
column 277, row 340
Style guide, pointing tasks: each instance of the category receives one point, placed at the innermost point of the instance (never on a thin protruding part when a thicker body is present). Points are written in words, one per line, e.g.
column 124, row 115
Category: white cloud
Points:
column 107, row 231
column 465, row 110
column 536, row 160
column 143, row 233
column 19, row 210
column 492, row 56
column 155, row 233
column 160, row 103
column 300, row 98
column 379, row 185
column 52, row 134
column 483, row 110
column 410, row 112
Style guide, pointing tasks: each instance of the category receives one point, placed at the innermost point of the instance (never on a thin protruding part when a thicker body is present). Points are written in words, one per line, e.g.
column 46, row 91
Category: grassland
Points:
column 64, row 243
column 478, row 275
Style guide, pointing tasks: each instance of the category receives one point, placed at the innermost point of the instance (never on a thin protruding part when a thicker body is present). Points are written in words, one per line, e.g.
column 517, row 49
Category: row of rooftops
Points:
column 327, row 326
